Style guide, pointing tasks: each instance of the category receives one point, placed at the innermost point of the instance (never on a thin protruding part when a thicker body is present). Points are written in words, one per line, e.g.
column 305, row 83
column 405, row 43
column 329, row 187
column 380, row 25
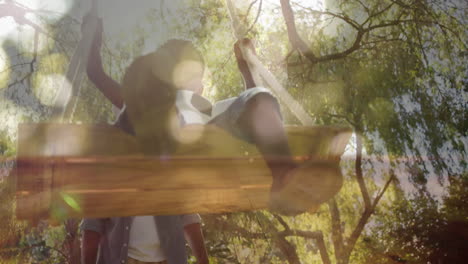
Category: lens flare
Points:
column 71, row 201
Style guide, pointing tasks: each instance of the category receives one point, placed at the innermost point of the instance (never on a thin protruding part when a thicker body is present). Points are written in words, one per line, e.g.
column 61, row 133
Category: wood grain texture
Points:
column 97, row 171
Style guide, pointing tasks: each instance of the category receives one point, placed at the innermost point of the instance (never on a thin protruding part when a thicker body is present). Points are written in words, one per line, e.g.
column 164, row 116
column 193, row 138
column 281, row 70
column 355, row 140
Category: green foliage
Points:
column 422, row 229
column 404, row 90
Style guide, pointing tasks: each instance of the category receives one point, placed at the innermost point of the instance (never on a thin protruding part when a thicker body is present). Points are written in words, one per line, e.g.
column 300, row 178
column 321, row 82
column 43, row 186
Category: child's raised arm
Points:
column 109, row 87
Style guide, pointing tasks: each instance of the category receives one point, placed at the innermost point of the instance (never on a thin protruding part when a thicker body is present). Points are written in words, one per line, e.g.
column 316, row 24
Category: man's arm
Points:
column 89, row 246
column 194, row 237
column 109, row 87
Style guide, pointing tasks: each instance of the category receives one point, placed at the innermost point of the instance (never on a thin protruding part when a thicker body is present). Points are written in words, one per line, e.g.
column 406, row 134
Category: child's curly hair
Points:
column 149, row 92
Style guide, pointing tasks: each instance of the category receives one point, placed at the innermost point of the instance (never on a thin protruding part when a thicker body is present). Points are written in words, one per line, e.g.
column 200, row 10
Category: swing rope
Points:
column 261, row 74
column 66, row 99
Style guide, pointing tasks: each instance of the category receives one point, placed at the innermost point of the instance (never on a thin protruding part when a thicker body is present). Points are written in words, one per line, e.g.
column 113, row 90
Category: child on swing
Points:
column 170, row 80
column 171, row 77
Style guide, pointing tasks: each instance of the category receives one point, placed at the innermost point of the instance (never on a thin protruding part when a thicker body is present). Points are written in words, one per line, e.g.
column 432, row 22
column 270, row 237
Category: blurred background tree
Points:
column 394, row 70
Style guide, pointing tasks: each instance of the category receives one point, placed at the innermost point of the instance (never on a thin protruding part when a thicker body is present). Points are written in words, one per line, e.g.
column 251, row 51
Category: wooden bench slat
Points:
column 99, row 169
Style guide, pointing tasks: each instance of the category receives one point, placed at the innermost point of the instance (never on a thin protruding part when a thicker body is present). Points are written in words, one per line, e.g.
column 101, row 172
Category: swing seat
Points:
column 69, row 170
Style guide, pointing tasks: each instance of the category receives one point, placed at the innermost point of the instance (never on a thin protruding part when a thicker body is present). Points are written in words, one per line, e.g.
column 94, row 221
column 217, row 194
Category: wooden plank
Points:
column 34, row 188
column 178, row 182
column 158, row 202
column 247, row 191
column 48, row 139
column 149, row 173
column 97, row 171
column 56, row 140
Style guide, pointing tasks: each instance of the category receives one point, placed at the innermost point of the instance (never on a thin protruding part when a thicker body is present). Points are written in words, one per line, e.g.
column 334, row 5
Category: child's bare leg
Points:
column 262, row 121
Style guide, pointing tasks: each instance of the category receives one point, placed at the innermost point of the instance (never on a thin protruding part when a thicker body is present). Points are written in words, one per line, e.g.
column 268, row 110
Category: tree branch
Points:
column 224, row 225
column 343, row 17
column 298, row 43
column 379, row 196
column 316, row 235
column 294, row 38
column 384, row 40
column 359, row 176
column 378, row 13
column 20, row 80
column 337, row 232
column 282, row 222
column 288, row 250
column 366, row 8
column 285, row 246
column 256, row 18
column 249, row 8
column 351, row 241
